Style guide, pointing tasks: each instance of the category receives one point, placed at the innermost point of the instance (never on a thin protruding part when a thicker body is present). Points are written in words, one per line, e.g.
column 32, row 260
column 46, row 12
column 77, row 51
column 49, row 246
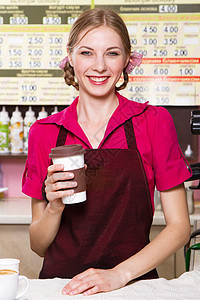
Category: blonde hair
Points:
column 91, row 19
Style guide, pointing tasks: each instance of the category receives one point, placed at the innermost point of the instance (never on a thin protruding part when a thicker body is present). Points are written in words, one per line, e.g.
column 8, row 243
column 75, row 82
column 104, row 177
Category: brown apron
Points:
column 113, row 223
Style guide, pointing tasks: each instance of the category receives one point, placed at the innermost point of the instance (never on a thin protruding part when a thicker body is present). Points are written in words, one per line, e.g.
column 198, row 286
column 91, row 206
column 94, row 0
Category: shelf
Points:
column 12, row 155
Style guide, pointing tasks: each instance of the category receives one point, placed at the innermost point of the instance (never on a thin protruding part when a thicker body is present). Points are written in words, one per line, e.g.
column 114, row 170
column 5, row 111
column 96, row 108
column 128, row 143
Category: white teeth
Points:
column 98, row 79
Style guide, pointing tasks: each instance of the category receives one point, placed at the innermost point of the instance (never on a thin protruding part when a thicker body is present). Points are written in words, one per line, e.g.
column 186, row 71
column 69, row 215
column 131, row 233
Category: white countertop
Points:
column 18, row 211
column 15, row 211
column 185, row 287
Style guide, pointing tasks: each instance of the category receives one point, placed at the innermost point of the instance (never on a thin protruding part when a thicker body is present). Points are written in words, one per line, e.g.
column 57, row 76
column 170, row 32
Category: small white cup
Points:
column 9, row 263
column 9, row 282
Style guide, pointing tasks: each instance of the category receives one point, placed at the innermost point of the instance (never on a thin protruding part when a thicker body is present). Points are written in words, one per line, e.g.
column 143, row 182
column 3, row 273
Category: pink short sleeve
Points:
column 169, row 164
column 39, row 147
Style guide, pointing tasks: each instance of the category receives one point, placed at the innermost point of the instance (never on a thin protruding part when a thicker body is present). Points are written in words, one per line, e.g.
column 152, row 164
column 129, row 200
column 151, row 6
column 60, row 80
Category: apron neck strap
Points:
column 62, row 135
column 128, row 128
column 130, row 135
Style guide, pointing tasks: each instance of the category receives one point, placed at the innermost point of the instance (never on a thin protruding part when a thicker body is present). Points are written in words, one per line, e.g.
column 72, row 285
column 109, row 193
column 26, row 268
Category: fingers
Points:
column 89, row 282
column 54, row 168
column 59, row 183
column 92, row 291
column 94, row 281
column 55, row 173
column 52, row 196
column 87, row 288
column 60, row 189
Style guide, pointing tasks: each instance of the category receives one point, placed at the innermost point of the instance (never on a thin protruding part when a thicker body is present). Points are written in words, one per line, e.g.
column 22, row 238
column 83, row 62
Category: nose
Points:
column 99, row 64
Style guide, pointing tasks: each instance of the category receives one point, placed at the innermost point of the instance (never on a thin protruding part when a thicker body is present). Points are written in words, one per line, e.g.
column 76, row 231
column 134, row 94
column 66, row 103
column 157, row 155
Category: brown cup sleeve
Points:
column 80, row 178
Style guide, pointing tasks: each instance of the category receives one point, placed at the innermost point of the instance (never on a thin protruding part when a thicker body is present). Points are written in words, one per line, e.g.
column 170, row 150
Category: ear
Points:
column 127, row 61
column 69, row 54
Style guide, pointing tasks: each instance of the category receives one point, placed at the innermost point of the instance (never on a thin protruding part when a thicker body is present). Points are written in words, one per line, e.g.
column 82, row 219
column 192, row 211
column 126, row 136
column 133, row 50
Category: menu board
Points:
column 33, row 37
column 167, row 33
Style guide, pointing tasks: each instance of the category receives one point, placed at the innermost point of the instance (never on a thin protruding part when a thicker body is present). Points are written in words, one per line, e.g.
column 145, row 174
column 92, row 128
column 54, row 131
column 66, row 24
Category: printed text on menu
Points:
column 33, row 37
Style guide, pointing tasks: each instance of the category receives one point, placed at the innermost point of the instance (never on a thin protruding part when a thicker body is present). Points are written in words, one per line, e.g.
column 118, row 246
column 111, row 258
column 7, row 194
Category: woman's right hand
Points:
column 58, row 184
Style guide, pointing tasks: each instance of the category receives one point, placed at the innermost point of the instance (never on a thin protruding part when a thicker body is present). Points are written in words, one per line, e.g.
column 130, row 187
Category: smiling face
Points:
column 98, row 60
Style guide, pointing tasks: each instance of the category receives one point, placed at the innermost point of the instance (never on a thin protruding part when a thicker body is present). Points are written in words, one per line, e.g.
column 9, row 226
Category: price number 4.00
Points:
column 168, row 8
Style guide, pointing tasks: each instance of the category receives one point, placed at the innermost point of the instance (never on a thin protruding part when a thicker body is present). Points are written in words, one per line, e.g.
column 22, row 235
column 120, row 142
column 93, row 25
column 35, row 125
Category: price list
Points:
column 168, row 36
column 33, row 38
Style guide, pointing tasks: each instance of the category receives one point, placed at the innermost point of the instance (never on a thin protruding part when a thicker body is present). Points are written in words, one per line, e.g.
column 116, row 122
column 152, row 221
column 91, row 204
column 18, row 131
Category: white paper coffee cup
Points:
column 72, row 157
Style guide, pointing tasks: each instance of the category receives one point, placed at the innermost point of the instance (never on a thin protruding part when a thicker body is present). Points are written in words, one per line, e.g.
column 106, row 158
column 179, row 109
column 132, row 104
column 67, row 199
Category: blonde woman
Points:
column 103, row 243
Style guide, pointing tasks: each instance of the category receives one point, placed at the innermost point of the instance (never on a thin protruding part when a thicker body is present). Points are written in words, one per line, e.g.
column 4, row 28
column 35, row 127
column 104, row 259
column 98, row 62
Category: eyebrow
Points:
column 110, row 48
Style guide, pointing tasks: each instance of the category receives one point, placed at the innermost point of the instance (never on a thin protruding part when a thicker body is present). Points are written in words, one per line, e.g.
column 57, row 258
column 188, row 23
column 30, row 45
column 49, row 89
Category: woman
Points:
column 103, row 243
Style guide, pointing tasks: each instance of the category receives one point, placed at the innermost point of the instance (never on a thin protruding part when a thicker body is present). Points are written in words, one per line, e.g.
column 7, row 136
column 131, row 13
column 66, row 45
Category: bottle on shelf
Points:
column 55, row 111
column 42, row 114
column 28, row 121
column 4, row 131
column 2, row 188
column 188, row 152
column 16, row 132
column 1, row 177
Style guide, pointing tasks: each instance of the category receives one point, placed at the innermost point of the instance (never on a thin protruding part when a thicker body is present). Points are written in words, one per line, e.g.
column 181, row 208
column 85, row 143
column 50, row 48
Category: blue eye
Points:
column 86, row 53
column 112, row 53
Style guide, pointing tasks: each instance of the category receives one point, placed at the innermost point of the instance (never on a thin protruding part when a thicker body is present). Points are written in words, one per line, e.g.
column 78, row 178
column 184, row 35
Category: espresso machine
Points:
column 190, row 247
column 195, row 129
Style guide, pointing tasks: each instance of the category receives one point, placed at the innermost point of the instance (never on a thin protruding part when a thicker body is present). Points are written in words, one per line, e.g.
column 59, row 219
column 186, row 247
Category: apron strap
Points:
column 128, row 128
column 62, row 135
column 130, row 134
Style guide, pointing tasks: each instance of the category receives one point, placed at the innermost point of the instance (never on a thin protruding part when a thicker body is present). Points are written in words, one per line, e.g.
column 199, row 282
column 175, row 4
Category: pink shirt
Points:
column 156, row 138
